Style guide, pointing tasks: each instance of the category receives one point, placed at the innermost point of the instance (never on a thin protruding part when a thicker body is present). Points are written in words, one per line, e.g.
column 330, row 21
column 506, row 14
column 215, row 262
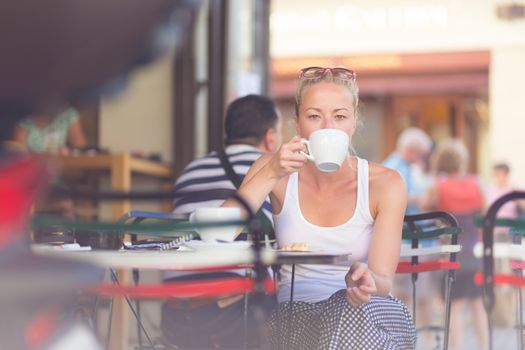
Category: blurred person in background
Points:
column 48, row 134
column 252, row 127
column 412, row 149
column 500, row 185
column 410, row 159
column 460, row 193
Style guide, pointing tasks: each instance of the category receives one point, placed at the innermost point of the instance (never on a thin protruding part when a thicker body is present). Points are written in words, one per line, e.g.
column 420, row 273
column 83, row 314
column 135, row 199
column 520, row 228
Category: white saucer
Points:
column 202, row 245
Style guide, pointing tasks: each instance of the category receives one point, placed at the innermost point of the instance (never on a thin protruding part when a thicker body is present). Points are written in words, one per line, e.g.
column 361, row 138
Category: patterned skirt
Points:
column 384, row 323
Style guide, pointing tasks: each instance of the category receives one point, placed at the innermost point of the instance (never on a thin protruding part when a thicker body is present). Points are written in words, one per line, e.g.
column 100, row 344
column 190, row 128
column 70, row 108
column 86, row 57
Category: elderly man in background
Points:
column 413, row 147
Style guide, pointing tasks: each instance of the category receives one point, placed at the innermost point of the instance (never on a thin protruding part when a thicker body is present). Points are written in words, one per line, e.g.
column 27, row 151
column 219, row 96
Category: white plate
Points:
column 201, row 245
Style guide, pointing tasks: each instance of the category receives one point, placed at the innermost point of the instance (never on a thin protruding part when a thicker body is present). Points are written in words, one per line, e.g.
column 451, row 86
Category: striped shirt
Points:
column 204, row 183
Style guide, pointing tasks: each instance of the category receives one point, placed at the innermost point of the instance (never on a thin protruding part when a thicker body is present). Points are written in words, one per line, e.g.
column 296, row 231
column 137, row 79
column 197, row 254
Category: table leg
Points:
column 290, row 311
column 120, row 181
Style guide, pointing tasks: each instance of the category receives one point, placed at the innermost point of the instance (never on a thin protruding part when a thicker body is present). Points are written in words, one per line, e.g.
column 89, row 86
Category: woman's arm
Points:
column 75, row 135
column 385, row 247
column 266, row 172
column 389, row 194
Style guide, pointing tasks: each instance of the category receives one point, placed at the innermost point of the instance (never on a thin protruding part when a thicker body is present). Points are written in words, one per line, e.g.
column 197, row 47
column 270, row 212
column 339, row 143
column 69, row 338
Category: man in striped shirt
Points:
column 252, row 127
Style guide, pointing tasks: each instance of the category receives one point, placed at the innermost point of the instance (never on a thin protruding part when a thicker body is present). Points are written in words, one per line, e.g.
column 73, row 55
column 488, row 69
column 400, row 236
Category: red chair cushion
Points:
column 425, row 266
column 502, row 279
column 186, row 289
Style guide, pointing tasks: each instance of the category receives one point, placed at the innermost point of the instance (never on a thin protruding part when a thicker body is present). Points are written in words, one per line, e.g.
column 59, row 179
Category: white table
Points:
column 189, row 259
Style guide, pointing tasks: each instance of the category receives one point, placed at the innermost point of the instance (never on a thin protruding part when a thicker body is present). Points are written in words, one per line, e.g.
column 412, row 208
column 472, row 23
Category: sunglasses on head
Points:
column 318, row 72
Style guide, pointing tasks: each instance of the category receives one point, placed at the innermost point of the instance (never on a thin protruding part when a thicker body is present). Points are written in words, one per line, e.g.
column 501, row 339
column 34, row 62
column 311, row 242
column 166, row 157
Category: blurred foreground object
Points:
column 21, row 181
column 56, row 53
column 33, row 288
column 59, row 51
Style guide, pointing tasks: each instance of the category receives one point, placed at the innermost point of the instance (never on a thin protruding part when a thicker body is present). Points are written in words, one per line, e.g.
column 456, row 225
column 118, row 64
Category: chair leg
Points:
column 519, row 312
column 448, row 290
column 108, row 335
column 520, row 318
column 414, row 300
column 290, row 313
column 489, row 325
column 136, row 278
column 245, row 322
column 279, row 320
column 137, row 318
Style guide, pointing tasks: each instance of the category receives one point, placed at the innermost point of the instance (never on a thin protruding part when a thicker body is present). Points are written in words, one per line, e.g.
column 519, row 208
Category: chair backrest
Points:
column 431, row 226
column 512, row 251
column 488, row 225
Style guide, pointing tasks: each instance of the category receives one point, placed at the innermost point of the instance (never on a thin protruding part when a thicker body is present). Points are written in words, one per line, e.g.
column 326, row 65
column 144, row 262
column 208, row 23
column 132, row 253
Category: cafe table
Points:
column 121, row 167
column 189, row 259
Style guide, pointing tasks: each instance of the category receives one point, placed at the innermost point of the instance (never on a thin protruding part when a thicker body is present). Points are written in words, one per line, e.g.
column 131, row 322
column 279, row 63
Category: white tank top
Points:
column 317, row 282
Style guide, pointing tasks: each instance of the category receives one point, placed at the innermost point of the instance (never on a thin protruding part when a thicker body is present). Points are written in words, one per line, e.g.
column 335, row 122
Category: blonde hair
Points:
column 351, row 85
column 451, row 157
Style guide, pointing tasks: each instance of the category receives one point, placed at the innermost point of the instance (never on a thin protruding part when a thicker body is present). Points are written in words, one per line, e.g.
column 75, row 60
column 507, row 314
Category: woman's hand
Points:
column 360, row 284
column 288, row 158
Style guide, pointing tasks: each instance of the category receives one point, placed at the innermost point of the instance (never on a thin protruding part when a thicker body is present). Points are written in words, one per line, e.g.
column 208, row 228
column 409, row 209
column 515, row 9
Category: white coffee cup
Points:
column 214, row 214
column 327, row 148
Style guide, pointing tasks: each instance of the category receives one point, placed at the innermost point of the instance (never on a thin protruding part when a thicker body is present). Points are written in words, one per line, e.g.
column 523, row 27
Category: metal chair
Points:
column 422, row 227
column 514, row 251
column 136, row 217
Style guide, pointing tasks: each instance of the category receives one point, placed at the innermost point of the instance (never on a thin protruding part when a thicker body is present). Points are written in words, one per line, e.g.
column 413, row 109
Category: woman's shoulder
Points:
column 383, row 176
column 386, row 187
column 384, row 181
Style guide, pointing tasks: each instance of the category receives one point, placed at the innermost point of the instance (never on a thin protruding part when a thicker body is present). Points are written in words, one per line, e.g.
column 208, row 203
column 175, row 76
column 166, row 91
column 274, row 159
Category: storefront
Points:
column 441, row 65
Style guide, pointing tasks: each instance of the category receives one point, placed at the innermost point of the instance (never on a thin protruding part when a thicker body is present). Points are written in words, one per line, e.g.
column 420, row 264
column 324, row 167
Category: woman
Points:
column 460, row 194
column 358, row 209
column 46, row 134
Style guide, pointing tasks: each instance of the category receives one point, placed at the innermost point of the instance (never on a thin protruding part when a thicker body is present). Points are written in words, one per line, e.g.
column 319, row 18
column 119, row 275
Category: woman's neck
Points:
column 322, row 179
